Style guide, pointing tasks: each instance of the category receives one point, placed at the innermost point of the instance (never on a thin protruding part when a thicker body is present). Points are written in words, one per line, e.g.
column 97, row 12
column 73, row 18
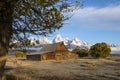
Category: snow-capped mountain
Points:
column 76, row 43
column 70, row 44
column 113, row 45
column 115, row 48
column 44, row 40
column 39, row 41
column 58, row 38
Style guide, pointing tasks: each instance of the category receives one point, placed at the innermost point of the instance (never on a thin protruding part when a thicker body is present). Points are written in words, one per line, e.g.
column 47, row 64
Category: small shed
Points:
column 55, row 51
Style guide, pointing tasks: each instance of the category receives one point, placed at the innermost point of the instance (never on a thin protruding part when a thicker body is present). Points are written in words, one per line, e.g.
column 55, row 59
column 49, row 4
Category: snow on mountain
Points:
column 58, row 38
column 115, row 48
column 113, row 45
column 39, row 41
column 76, row 43
column 66, row 41
column 44, row 40
column 70, row 44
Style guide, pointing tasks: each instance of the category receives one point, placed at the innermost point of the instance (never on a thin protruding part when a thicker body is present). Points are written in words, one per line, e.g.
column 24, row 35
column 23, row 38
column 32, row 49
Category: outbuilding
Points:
column 55, row 51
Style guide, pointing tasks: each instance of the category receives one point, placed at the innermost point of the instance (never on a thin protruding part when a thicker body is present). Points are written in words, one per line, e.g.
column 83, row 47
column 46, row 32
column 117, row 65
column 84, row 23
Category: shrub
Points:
column 81, row 52
column 100, row 50
column 20, row 54
column 76, row 50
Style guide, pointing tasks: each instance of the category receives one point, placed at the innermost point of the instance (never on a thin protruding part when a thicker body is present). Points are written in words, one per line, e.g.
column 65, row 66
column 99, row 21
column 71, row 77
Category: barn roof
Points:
column 38, row 53
column 47, row 48
column 50, row 47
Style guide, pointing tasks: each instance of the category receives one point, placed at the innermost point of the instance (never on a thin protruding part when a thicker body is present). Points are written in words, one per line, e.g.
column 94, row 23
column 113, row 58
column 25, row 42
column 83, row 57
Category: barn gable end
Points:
column 61, row 47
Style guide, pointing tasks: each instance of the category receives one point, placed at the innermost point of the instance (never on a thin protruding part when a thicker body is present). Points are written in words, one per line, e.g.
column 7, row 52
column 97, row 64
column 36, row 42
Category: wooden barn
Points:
column 55, row 51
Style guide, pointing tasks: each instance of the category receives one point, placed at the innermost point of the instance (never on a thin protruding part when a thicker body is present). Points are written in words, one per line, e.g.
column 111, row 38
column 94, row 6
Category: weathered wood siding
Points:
column 48, row 56
column 34, row 57
column 61, row 48
column 61, row 52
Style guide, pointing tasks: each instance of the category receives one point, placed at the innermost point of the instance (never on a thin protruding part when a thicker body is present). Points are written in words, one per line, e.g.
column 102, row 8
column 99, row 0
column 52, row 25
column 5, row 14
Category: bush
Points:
column 20, row 54
column 100, row 50
column 81, row 52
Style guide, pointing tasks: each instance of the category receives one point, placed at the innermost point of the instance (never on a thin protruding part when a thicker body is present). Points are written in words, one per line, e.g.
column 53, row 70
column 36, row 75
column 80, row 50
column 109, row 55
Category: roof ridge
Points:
column 50, row 47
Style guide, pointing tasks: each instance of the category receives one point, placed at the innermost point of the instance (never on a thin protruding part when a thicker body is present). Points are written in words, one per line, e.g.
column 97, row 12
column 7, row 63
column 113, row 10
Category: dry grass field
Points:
column 81, row 69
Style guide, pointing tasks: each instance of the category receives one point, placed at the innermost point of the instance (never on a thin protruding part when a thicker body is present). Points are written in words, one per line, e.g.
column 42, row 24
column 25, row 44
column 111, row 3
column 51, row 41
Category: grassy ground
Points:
column 81, row 69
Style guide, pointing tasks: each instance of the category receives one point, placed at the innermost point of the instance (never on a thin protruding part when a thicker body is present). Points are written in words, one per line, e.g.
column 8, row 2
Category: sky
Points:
column 97, row 21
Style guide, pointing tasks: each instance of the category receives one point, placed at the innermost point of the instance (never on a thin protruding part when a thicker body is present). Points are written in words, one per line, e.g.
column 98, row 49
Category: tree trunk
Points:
column 4, row 44
column 5, row 33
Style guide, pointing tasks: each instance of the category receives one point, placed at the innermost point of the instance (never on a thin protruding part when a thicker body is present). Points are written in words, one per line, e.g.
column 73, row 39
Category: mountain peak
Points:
column 70, row 44
column 76, row 39
column 58, row 38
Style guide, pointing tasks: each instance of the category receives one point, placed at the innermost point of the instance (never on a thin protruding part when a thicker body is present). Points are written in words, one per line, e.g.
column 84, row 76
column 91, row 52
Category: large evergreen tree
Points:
column 24, row 17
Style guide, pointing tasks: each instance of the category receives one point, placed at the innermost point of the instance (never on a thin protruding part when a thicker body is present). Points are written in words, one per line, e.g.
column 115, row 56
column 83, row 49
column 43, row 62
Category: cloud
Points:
column 105, row 18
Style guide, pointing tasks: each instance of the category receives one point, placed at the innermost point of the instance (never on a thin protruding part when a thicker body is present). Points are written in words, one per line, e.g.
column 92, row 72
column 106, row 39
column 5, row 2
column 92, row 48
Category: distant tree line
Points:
column 99, row 50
